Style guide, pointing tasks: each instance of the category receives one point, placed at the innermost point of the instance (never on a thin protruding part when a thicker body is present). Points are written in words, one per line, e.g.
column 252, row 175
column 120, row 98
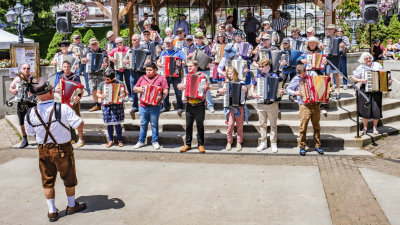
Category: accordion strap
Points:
column 151, row 82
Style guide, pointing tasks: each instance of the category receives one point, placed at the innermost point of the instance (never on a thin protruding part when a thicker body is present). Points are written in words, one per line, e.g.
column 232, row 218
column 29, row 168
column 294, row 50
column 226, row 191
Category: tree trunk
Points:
column 114, row 19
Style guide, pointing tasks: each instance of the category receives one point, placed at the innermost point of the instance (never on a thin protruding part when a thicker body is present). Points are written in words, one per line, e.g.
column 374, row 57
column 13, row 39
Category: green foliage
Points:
column 173, row 13
column 75, row 32
column 89, row 34
column 53, row 46
column 124, row 33
column 393, row 30
column 347, row 7
column 346, row 29
column 379, row 31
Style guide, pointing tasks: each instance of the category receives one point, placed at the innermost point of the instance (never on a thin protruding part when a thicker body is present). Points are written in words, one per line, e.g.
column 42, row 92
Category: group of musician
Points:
column 145, row 72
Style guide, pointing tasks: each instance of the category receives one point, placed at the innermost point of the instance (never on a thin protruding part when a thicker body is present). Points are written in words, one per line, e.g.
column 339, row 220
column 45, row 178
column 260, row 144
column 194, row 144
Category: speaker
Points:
column 370, row 11
column 63, row 22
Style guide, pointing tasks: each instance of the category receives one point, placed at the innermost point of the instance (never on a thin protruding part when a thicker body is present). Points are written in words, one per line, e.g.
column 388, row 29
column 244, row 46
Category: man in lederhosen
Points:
column 50, row 123
column 25, row 103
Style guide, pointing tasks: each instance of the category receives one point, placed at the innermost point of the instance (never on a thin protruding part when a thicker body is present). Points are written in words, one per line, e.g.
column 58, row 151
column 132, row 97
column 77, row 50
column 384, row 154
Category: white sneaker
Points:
column 324, row 112
column 156, row 145
column 274, row 148
column 228, row 146
column 262, row 146
column 211, row 110
column 139, row 145
column 345, row 87
column 238, row 147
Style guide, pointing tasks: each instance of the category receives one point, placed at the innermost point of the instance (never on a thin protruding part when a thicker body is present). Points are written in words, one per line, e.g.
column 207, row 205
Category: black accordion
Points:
column 332, row 47
column 234, row 95
column 136, row 59
column 268, row 89
column 94, row 63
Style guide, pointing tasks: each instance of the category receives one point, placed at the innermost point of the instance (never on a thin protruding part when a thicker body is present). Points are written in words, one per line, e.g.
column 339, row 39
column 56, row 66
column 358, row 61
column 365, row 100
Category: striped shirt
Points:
column 279, row 23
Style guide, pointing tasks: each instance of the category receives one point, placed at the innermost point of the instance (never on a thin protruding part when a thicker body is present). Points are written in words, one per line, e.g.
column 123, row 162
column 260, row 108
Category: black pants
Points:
column 193, row 113
column 251, row 38
column 174, row 81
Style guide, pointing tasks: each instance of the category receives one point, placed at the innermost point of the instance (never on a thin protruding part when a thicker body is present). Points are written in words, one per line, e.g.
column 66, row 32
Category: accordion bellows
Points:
column 234, row 94
column 113, row 92
column 268, row 89
column 194, row 85
column 150, row 94
column 69, row 89
column 314, row 89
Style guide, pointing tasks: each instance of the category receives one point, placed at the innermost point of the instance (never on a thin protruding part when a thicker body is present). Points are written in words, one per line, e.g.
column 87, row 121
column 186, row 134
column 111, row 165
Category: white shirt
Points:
column 60, row 133
column 359, row 71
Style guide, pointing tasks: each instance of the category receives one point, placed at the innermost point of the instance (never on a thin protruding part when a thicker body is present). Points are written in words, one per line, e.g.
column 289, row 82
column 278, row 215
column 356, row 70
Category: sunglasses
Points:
column 264, row 39
column 119, row 43
column 339, row 31
column 77, row 38
column 63, row 46
column 199, row 38
column 189, row 39
column 220, row 36
column 146, row 34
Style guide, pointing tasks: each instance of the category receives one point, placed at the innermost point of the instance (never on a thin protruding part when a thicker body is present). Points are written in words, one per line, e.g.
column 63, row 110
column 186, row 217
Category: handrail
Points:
column 358, row 91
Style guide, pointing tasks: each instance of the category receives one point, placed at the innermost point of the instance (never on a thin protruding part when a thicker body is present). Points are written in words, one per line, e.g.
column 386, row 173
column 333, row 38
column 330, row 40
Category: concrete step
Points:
column 215, row 126
column 340, row 113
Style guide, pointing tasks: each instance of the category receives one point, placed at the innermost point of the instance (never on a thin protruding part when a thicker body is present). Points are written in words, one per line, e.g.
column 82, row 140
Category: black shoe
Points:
column 291, row 98
column 320, row 151
column 133, row 110
column 338, row 96
column 53, row 217
column 164, row 110
column 24, row 143
column 302, row 152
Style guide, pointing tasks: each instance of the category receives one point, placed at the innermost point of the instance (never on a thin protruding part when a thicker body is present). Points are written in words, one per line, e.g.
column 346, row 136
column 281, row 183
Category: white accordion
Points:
column 119, row 65
column 72, row 60
column 240, row 65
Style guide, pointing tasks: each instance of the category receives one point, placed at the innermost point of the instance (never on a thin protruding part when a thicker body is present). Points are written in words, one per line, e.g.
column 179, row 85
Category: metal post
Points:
column 358, row 117
column 295, row 13
column 370, row 35
column 190, row 24
column 315, row 18
column 168, row 14
column 20, row 36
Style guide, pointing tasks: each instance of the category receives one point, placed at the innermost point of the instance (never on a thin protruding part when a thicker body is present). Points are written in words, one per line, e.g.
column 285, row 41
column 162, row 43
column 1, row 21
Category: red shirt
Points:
column 159, row 81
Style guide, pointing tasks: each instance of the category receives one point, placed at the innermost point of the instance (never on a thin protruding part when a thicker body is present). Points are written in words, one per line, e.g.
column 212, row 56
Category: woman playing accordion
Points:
column 218, row 52
column 374, row 110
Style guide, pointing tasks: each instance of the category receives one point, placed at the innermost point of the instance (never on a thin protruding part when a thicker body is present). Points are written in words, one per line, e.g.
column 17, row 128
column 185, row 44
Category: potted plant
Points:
column 5, row 63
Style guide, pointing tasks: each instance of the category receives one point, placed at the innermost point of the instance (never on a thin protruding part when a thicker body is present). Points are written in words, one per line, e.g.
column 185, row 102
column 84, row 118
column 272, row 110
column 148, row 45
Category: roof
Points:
column 6, row 38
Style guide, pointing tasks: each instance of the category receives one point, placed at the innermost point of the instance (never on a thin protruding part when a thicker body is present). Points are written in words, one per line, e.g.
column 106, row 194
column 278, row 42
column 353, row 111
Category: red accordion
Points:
column 150, row 94
column 170, row 67
column 69, row 89
column 194, row 85
column 315, row 61
column 315, row 89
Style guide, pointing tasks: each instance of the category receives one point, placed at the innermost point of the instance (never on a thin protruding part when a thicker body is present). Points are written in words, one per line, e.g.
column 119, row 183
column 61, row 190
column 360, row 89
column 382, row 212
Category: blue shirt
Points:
column 295, row 86
column 173, row 52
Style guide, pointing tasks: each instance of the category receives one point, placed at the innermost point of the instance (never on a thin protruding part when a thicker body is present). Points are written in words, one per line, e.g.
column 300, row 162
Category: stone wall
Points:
column 5, row 81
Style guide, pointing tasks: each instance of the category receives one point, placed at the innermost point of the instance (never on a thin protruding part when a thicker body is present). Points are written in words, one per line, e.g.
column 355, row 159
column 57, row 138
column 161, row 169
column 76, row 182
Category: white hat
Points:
column 168, row 39
column 109, row 34
column 310, row 30
column 313, row 39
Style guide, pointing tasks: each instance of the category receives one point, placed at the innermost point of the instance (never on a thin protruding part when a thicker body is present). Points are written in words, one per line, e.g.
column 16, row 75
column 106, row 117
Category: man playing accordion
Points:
column 150, row 107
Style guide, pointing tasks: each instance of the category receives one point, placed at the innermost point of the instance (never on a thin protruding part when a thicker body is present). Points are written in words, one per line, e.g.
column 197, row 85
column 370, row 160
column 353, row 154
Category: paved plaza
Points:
column 123, row 187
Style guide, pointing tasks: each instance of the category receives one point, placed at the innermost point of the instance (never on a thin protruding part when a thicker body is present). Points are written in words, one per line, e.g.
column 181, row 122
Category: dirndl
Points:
column 335, row 60
column 113, row 114
column 373, row 110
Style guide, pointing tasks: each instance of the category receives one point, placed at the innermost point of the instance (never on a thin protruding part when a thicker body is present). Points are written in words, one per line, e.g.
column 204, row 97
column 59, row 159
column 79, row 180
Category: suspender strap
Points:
column 47, row 128
column 151, row 82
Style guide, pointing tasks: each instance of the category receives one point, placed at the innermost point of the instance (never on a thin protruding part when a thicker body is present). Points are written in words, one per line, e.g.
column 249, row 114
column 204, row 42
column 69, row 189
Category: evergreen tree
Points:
column 89, row 34
column 53, row 46
column 75, row 32
column 393, row 30
column 379, row 31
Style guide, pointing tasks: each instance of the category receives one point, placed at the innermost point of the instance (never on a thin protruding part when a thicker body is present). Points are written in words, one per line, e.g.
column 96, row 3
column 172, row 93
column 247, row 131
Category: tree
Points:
column 53, row 47
column 393, row 30
column 347, row 7
column 378, row 31
column 76, row 31
column 89, row 34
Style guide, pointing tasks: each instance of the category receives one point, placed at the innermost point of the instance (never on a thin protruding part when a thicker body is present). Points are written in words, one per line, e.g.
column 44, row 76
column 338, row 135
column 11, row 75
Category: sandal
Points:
column 110, row 143
column 364, row 131
column 120, row 144
column 376, row 132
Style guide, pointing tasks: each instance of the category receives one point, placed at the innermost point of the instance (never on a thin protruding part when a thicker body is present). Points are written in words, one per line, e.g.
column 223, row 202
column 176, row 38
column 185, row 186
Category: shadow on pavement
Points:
column 97, row 203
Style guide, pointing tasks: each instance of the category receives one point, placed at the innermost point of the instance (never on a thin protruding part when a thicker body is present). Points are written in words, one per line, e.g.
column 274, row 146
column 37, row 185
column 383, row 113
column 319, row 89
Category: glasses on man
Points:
column 189, row 39
column 119, row 43
column 78, row 38
column 63, row 46
column 135, row 39
column 264, row 39
column 339, row 31
column 26, row 68
column 199, row 38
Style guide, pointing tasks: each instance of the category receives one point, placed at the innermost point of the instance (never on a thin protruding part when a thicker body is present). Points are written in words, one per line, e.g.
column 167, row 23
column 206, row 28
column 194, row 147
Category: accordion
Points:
column 119, row 56
column 202, row 59
column 179, row 44
column 220, row 52
column 244, row 49
column 377, row 81
column 240, row 65
column 150, row 94
column 314, row 89
column 109, row 46
column 23, row 93
column 263, row 54
column 234, row 94
column 268, row 89
column 332, row 46
column 315, row 61
column 185, row 51
column 136, row 59
column 275, row 60
column 69, row 89
column 297, row 45
column 273, row 34
column 72, row 60
column 113, row 92
column 170, row 69
column 94, row 63
column 78, row 50
column 194, row 85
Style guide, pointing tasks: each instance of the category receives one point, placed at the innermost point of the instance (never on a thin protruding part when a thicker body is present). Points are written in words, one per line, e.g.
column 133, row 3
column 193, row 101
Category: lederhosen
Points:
column 55, row 157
